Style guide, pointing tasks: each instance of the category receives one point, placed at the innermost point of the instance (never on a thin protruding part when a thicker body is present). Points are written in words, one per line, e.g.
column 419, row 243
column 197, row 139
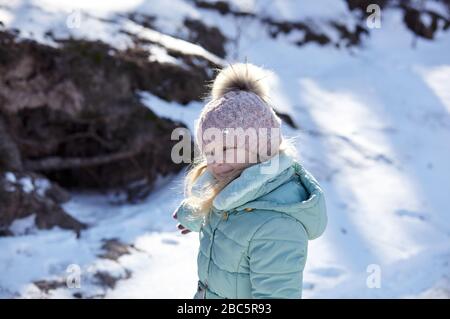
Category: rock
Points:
column 193, row 30
column 415, row 14
column 70, row 115
column 6, row 233
column 24, row 194
column 349, row 34
column 107, row 280
column 210, row 38
column 114, row 249
column 72, row 112
column 222, row 7
column 361, row 5
column 57, row 194
column 10, row 158
column 287, row 119
column 46, row 285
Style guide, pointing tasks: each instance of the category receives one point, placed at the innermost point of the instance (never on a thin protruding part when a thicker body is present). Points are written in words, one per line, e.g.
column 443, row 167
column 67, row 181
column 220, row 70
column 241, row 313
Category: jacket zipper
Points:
column 224, row 217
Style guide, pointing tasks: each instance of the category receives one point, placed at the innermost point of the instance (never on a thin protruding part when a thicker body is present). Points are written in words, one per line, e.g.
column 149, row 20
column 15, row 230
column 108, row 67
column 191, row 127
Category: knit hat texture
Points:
column 239, row 101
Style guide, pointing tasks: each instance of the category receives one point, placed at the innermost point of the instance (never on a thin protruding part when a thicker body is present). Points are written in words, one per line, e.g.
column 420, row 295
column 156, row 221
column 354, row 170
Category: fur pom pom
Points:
column 240, row 76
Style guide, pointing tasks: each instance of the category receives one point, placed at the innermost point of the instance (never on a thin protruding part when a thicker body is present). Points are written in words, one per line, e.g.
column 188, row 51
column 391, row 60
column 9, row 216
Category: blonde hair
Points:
column 202, row 203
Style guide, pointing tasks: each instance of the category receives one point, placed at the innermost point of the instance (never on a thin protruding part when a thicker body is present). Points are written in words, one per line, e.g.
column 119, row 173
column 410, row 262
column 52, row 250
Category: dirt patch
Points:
column 114, row 249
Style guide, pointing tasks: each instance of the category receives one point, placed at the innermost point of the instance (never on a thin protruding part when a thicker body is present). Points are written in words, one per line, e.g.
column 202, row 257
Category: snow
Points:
column 168, row 251
column 23, row 226
column 5, row 16
column 170, row 42
column 438, row 79
column 10, row 177
column 374, row 129
column 27, row 184
column 186, row 113
column 92, row 6
column 41, row 186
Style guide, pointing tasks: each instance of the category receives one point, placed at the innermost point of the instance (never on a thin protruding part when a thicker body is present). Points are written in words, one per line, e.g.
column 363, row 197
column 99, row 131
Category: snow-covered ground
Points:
column 375, row 131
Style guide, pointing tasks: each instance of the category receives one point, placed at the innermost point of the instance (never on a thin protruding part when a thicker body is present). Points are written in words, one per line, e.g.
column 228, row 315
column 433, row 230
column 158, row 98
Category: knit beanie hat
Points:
column 239, row 106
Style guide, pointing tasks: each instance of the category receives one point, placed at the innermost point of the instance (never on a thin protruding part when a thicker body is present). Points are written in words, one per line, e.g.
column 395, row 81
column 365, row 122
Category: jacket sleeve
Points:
column 277, row 256
column 185, row 218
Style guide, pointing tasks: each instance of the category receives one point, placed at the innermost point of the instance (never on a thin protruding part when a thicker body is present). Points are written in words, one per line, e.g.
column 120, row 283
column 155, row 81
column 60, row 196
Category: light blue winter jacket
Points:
column 254, row 243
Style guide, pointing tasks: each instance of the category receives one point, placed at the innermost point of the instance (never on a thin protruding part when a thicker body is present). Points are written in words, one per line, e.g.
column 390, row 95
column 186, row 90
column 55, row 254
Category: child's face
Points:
column 229, row 164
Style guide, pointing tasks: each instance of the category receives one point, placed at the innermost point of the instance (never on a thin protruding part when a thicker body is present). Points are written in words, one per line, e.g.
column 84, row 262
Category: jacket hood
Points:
column 248, row 190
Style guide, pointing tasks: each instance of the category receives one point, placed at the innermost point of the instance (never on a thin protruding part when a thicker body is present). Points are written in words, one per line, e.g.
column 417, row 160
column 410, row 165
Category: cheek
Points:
column 229, row 159
column 236, row 156
column 219, row 169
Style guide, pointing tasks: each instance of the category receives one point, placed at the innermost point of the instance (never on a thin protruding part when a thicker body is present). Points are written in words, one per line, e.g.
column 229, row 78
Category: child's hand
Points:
column 183, row 229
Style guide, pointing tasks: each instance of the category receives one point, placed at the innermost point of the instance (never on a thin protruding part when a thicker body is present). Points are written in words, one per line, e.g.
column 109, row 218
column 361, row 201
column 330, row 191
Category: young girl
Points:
column 254, row 217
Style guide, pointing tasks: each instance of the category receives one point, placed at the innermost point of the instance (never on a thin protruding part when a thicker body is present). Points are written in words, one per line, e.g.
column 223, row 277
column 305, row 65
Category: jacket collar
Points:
column 255, row 181
column 246, row 190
